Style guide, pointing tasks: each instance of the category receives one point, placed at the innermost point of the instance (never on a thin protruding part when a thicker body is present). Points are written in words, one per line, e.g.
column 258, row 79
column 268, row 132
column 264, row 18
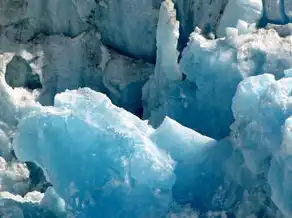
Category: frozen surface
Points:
column 234, row 91
column 262, row 131
column 274, row 11
column 116, row 163
column 249, row 11
column 213, row 69
column 113, row 156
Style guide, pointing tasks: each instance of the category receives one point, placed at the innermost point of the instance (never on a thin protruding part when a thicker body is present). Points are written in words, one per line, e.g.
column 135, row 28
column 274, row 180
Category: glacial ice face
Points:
column 22, row 20
column 124, row 24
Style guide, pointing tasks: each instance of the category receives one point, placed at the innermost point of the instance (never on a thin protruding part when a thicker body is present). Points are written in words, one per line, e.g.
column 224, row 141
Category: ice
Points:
column 124, row 24
column 123, row 80
column 288, row 9
column 274, row 11
column 213, row 69
column 247, row 10
column 22, row 20
column 282, row 30
column 216, row 142
column 262, row 131
column 117, row 162
column 113, row 156
column 166, row 68
column 204, row 14
column 33, row 204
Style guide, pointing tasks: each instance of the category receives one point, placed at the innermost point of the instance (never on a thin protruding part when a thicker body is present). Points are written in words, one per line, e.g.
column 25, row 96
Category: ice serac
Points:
column 166, row 69
column 262, row 131
column 247, row 10
column 274, row 11
column 116, row 162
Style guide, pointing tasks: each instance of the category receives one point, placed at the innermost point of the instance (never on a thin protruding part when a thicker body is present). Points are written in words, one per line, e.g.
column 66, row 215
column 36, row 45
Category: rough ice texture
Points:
column 247, row 10
column 167, row 68
column 33, row 204
column 22, row 20
column 262, row 131
column 113, row 156
column 115, row 162
column 49, row 46
column 213, row 69
column 55, row 63
column 204, row 14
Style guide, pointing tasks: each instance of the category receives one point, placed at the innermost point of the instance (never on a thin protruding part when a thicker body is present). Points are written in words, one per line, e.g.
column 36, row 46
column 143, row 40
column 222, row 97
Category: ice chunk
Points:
column 116, row 162
column 166, row 68
column 30, row 205
column 262, row 131
column 247, row 10
column 258, row 124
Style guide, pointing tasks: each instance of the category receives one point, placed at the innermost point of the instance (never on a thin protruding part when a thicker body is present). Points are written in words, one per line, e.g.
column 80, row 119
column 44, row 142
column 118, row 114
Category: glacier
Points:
column 162, row 108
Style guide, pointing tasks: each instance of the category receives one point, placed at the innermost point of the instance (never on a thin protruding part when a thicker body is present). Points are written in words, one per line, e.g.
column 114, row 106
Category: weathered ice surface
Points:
column 217, row 139
column 213, row 69
column 52, row 64
column 262, row 131
column 128, row 26
column 197, row 13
